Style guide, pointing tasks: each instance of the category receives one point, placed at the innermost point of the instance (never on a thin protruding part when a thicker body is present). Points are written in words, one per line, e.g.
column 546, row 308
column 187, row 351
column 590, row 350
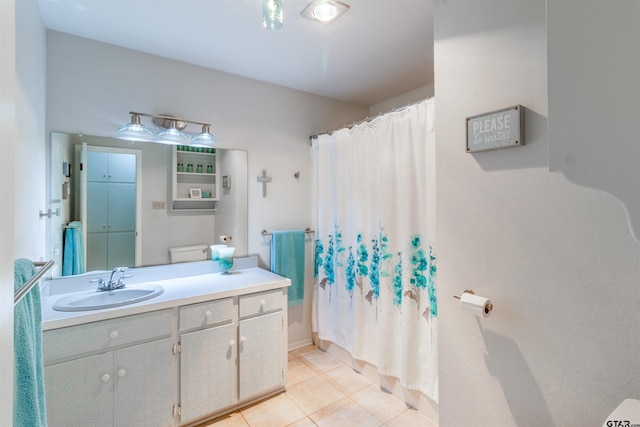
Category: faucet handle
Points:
column 101, row 284
column 121, row 280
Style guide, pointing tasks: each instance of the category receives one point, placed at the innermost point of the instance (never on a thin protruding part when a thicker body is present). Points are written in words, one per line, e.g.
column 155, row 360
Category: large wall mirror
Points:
column 141, row 202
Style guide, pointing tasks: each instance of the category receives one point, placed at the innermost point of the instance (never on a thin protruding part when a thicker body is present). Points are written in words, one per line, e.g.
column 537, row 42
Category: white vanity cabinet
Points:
column 208, row 358
column 115, row 372
column 232, row 351
column 195, row 359
column 263, row 342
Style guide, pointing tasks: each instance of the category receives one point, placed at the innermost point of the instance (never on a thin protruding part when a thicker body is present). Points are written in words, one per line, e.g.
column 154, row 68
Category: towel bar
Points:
column 267, row 233
column 20, row 293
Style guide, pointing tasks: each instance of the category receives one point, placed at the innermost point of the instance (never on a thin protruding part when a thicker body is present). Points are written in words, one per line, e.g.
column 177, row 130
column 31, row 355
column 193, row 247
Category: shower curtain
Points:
column 375, row 262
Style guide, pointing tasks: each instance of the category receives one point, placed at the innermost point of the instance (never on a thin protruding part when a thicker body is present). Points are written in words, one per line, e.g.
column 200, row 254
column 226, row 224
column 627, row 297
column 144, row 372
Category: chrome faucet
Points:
column 111, row 284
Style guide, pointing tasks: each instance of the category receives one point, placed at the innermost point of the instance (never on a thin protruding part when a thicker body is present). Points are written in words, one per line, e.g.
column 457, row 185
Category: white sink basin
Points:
column 94, row 300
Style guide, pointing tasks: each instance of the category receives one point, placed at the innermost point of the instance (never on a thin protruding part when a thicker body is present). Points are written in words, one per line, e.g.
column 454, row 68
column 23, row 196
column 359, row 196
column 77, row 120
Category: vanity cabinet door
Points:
column 262, row 354
column 208, row 371
column 143, row 385
column 83, row 392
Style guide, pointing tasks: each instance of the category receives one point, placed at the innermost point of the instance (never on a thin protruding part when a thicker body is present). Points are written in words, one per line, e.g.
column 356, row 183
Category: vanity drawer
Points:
column 260, row 303
column 206, row 313
column 96, row 336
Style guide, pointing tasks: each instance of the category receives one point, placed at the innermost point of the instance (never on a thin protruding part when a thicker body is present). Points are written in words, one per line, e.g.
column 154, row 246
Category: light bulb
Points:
column 272, row 14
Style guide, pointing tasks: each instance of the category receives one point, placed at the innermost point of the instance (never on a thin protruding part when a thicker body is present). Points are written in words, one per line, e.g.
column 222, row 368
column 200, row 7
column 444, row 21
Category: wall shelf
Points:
column 182, row 182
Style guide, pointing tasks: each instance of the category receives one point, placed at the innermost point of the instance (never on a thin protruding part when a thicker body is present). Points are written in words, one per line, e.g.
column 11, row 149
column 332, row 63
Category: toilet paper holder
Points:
column 466, row 291
column 488, row 307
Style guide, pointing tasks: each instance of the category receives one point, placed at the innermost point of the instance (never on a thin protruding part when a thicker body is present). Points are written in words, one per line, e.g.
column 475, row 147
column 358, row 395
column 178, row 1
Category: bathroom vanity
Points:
column 208, row 344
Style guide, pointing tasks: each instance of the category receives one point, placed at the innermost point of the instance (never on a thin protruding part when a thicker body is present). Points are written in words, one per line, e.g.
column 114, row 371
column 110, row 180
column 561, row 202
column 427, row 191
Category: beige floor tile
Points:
column 344, row 413
column 305, row 422
column 298, row 371
column 346, row 379
column 314, row 394
column 303, row 350
column 411, row 418
column 384, row 406
column 321, row 361
column 291, row 356
column 275, row 412
column 234, row 419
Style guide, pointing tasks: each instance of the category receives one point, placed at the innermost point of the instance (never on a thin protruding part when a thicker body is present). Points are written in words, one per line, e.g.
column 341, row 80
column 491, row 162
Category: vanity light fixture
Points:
column 172, row 135
column 325, row 11
column 135, row 131
column 272, row 14
column 172, row 132
column 205, row 138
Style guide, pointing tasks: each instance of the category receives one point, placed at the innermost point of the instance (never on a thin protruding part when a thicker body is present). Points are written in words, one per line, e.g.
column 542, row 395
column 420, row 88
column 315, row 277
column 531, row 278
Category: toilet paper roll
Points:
column 476, row 304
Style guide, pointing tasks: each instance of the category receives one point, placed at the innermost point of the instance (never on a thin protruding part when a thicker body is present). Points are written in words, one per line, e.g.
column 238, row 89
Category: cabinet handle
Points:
column 105, row 378
column 243, row 339
column 208, row 315
column 113, row 335
column 122, row 373
column 232, row 343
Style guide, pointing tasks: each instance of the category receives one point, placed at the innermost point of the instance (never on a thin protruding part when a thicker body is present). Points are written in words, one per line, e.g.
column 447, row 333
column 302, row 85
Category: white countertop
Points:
column 177, row 292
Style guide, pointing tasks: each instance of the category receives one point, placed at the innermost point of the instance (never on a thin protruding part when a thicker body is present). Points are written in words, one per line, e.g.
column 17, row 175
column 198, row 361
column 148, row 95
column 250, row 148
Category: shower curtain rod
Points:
column 368, row 119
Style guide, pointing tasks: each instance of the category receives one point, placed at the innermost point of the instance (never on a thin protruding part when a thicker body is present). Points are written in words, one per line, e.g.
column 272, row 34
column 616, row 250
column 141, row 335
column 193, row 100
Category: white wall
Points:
column 30, row 155
column 557, row 260
column 593, row 97
column 7, row 142
column 401, row 100
column 92, row 87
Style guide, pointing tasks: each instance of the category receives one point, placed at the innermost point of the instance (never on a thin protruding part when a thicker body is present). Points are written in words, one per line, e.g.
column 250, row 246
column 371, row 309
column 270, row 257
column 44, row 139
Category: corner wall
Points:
column 7, row 141
column 22, row 176
column 30, row 146
column 557, row 260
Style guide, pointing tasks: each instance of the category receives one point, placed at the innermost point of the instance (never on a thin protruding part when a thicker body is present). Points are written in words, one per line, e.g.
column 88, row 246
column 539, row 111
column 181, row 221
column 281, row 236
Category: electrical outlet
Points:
column 157, row 205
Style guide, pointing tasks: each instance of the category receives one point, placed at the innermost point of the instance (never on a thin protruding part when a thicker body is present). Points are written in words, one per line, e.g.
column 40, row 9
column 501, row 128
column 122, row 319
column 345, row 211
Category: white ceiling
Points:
column 379, row 49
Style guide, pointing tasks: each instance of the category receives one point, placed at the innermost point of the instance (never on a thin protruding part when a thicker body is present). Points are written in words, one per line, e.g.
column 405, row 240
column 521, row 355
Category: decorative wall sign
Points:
column 498, row 129
column 195, row 193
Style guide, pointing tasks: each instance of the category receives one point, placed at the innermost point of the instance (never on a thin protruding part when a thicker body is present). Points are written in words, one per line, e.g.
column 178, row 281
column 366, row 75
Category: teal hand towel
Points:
column 73, row 257
column 287, row 259
column 28, row 372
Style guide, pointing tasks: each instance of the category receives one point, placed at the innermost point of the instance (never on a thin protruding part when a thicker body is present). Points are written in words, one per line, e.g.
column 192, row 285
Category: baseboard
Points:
column 300, row 344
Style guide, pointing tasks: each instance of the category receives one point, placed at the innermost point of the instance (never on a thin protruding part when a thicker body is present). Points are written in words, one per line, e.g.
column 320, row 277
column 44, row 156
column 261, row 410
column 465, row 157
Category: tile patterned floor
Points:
column 322, row 391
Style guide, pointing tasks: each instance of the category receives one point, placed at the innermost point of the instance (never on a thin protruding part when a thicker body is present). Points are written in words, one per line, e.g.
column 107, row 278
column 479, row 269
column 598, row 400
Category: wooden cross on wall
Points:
column 264, row 179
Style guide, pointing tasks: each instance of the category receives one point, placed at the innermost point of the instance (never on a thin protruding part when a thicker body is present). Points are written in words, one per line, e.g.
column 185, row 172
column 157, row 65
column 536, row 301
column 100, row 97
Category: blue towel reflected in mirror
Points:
column 73, row 257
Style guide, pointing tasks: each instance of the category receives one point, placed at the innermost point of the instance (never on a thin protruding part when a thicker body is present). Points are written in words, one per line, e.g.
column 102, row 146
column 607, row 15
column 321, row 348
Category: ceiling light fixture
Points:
column 325, row 11
column 272, row 14
column 172, row 132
